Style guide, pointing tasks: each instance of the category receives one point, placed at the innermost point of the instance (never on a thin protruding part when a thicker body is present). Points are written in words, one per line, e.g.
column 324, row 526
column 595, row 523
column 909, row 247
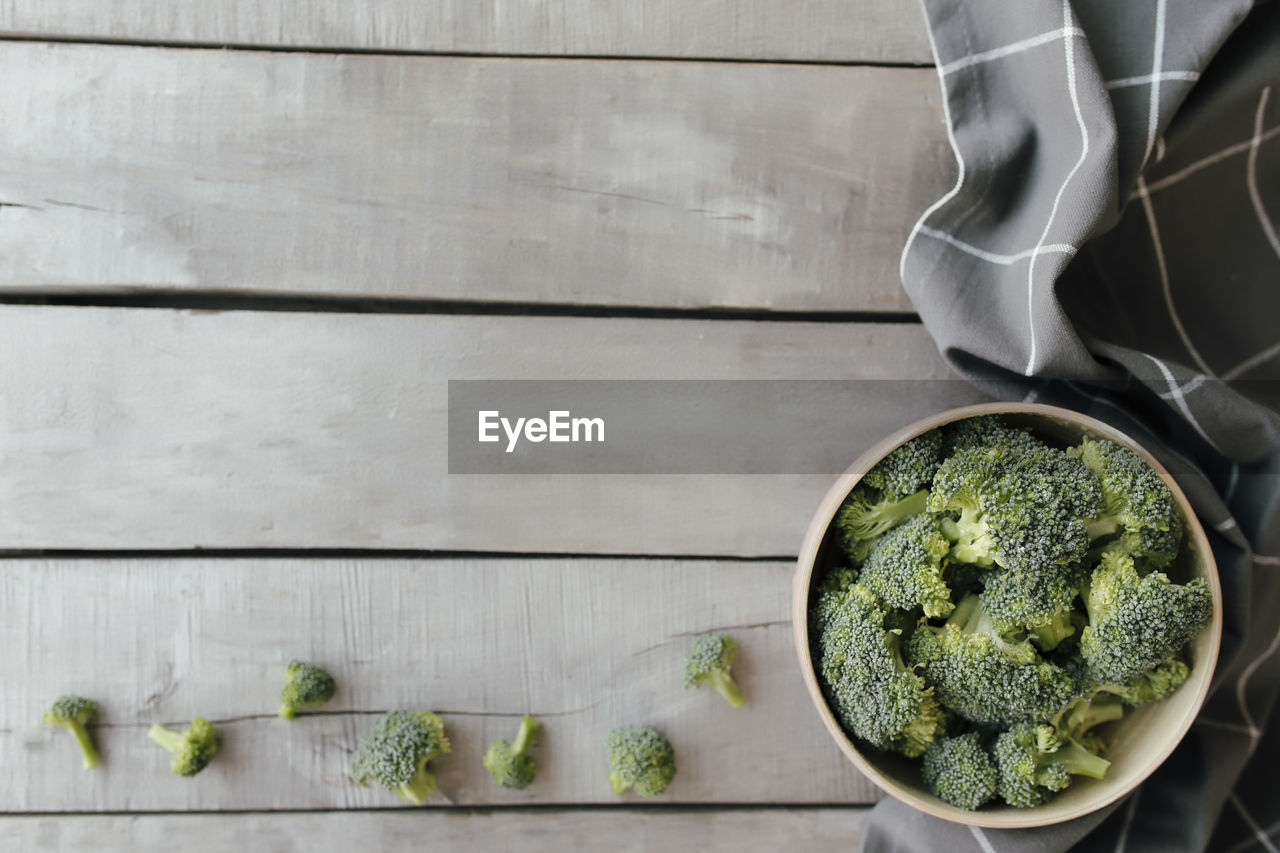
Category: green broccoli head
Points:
column 866, row 514
column 1136, row 623
column 192, row 749
column 395, row 750
column 904, row 567
column 983, row 677
column 1032, row 762
column 859, row 662
column 1039, row 604
column 1151, row 686
column 709, row 661
column 1150, row 547
column 73, row 713
column 640, row 759
column 306, row 686
column 1134, row 496
column 908, row 468
column 960, row 771
column 1022, row 504
column 510, row 763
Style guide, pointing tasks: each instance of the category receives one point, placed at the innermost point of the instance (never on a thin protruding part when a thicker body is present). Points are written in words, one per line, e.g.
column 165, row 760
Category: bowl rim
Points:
column 802, row 585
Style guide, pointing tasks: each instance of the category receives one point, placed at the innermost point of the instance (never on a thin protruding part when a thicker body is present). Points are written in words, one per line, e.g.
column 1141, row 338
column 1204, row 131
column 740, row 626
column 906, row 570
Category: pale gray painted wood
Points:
column 837, row 30
column 584, row 182
column 584, row 644
column 136, row 428
column 796, row 830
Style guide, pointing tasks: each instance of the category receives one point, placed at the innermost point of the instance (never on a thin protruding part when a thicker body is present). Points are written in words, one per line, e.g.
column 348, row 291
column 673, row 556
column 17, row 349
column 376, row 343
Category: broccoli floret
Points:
column 1134, row 496
column 640, row 758
column 1151, row 686
column 980, row 430
column 510, row 763
column 866, row 514
column 1075, row 722
column 905, row 566
column 1135, row 622
column 960, row 771
column 395, row 752
column 73, row 713
column 193, row 748
column 908, row 468
column 306, row 686
column 983, row 677
column 709, row 661
column 1039, row 604
column 859, row 661
column 1149, row 547
column 1022, row 504
column 1032, row 762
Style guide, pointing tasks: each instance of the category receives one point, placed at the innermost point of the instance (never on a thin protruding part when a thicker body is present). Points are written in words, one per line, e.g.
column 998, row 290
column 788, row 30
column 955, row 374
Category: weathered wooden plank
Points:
column 584, row 182
column 860, row 31
column 173, row 429
column 798, row 830
column 584, row 644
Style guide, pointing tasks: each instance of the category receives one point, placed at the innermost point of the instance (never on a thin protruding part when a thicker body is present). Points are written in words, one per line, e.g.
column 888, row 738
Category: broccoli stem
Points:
column 1080, row 761
column 728, row 688
column 617, row 783
column 286, row 711
column 88, row 750
column 421, row 784
column 524, row 738
column 1100, row 527
column 1049, row 635
column 967, row 608
column 166, row 738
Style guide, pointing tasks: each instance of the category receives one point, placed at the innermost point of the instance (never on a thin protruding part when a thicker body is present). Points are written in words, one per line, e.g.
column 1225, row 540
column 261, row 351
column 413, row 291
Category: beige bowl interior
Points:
column 1139, row 742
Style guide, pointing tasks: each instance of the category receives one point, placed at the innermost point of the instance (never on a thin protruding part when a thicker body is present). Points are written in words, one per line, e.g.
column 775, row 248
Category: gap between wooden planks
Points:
column 631, row 183
column 152, row 428
column 583, row 644
column 807, row 30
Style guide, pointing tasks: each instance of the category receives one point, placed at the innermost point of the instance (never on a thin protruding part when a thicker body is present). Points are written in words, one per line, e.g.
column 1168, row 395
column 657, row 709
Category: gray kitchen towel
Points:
column 1111, row 245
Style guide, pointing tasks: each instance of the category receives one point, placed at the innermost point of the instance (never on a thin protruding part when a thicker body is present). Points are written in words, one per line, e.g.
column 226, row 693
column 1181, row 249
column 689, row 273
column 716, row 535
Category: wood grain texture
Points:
column 835, row 30
column 797, row 830
column 124, row 428
column 583, row 644
column 582, row 182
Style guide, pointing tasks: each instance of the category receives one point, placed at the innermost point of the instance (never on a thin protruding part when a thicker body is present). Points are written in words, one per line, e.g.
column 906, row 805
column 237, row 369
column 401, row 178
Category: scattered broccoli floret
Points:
column 1033, row 762
column 1039, row 604
column 1134, row 496
column 1151, row 686
column 709, row 661
column 907, row 468
column 640, row 758
column 510, row 763
column 866, row 514
column 905, row 566
column 193, row 748
column 859, row 660
column 306, row 686
column 983, row 677
column 960, row 771
column 395, row 752
column 1022, row 504
column 73, row 713
column 1135, row 622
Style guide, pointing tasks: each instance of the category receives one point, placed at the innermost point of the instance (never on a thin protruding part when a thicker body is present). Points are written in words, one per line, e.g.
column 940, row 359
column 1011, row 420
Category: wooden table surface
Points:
column 243, row 247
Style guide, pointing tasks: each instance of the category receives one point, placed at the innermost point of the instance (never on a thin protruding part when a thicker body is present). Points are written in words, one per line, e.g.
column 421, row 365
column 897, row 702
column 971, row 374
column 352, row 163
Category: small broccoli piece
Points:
column 960, row 771
column 1022, row 504
column 510, row 763
column 395, row 751
column 908, row 468
column 640, row 758
column 193, row 748
column 859, row 661
column 905, row 566
column 73, row 713
column 866, row 514
column 709, row 661
column 984, row 677
column 1075, row 722
column 1135, row 622
column 306, row 686
column 1039, row 604
column 1151, row 686
column 1032, row 762
column 1149, row 547
column 1134, row 496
